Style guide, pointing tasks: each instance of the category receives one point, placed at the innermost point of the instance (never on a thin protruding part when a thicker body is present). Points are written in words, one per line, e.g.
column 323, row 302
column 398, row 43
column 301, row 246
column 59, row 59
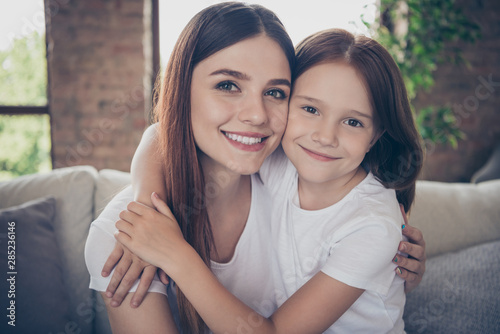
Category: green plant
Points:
column 25, row 145
column 420, row 34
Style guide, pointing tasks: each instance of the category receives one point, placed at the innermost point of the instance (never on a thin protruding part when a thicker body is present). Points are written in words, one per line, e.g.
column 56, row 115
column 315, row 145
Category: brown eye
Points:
column 276, row 93
column 227, row 86
column 311, row 110
column 354, row 123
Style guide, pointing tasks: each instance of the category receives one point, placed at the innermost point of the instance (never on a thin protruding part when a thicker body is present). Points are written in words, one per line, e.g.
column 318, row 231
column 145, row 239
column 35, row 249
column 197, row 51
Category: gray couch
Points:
column 459, row 292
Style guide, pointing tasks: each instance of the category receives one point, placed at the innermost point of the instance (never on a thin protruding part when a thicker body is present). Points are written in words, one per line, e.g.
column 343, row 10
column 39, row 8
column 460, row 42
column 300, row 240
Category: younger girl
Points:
column 336, row 223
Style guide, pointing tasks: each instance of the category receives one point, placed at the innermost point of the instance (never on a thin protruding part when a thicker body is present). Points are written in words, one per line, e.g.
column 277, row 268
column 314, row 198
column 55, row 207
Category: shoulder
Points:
column 108, row 217
column 152, row 130
column 377, row 203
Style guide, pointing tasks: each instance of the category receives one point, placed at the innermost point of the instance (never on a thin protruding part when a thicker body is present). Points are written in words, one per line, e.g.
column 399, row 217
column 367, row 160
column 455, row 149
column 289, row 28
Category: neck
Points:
column 317, row 196
column 228, row 199
column 223, row 188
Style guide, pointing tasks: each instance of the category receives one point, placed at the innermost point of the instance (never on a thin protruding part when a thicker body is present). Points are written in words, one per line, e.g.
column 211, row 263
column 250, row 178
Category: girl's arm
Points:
column 147, row 176
column 156, row 237
column 312, row 309
column 146, row 169
column 153, row 316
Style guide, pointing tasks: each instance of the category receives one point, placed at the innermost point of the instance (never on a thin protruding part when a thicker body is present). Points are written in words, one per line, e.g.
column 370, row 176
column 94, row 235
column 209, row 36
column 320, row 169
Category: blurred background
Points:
column 76, row 77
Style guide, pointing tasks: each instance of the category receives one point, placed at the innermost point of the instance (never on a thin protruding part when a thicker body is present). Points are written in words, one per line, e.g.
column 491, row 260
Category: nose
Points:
column 326, row 134
column 253, row 111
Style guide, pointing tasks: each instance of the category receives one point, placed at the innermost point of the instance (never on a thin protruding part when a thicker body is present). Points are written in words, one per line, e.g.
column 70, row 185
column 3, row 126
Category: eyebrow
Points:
column 313, row 100
column 243, row 76
column 310, row 99
column 277, row 82
column 232, row 73
column 359, row 113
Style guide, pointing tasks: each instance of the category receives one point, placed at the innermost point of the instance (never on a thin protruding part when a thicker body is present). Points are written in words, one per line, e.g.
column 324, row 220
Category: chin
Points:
column 248, row 168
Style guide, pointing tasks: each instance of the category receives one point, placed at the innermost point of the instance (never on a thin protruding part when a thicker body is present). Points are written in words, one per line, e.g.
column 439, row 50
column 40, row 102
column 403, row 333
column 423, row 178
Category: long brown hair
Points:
column 213, row 29
column 397, row 157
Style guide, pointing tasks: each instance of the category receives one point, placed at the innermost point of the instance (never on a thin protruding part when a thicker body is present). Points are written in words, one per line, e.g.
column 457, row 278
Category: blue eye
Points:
column 276, row 93
column 311, row 110
column 227, row 86
column 353, row 122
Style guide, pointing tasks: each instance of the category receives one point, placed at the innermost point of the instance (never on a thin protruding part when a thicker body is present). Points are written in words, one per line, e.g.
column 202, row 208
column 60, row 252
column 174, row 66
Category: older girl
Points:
column 210, row 184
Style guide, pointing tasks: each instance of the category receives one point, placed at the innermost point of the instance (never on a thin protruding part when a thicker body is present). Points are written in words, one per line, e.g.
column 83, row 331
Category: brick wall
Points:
column 475, row 101
column 99, row 80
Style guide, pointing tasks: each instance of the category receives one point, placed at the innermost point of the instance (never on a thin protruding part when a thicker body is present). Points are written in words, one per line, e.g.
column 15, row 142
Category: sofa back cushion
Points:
column 453, row 216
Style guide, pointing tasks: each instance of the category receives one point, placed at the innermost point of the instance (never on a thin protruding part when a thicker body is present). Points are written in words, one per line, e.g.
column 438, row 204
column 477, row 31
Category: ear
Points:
column 375, row 138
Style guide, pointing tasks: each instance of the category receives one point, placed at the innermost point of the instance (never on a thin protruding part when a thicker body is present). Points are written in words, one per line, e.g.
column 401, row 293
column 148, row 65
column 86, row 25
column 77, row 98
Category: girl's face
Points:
column 239, row 104
column 330, row 124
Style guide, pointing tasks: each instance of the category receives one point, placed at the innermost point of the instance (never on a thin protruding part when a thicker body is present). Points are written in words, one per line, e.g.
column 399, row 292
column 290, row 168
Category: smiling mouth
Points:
column 319, row 156
column 245, row 139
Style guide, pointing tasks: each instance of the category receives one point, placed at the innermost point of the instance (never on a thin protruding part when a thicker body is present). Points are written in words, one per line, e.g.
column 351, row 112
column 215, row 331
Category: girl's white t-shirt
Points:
column 352, row 241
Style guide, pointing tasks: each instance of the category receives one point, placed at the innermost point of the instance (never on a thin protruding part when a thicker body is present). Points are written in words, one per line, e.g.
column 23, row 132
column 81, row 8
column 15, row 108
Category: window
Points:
column 24, row 113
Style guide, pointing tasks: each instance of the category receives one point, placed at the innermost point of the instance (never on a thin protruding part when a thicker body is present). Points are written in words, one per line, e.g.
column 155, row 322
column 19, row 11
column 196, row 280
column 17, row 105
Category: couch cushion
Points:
column 73, row 189
column 36, row 301
column 458, row 294
column 454, row 216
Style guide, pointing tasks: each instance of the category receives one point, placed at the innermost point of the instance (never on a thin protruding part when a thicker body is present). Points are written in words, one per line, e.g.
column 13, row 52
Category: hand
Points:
column 153, row 235
column 412, row 268
column 128, row 269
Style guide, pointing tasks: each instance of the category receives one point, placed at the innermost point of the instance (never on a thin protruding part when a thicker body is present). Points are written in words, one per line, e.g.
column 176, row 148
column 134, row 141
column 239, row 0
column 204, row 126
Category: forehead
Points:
column 334, row 82
column 259, row 55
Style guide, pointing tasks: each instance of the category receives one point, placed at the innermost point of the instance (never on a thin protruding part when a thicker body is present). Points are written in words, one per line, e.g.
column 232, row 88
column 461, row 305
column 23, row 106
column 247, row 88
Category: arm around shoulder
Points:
column 146, row 168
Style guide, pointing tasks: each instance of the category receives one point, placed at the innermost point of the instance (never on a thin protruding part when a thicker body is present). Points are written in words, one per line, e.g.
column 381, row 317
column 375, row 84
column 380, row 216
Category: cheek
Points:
column 293, row 130
column 278, row 119
column 208, row 113
column 360, row 145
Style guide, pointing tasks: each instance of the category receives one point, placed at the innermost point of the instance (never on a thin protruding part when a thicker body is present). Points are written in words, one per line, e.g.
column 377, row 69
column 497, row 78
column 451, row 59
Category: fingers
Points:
column 413, row 250
column 131, row 276
column 411, row 279
column 112, row 260
column 120, row 271
column 146, row 279
column 138, row 208
column 129, row 216
column 414, row 235
column 163, row 276
column 124, row 226
column 408, row 264
column 161, row 206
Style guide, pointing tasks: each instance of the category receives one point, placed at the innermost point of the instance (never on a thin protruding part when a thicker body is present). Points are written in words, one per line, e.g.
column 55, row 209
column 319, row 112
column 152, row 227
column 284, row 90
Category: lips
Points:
column 319, row 156
column 243, row 139
column 246, row 141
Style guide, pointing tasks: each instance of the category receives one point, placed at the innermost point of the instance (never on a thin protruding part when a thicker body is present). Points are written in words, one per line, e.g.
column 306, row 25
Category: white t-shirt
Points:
column 248, row 275
column 352, row 241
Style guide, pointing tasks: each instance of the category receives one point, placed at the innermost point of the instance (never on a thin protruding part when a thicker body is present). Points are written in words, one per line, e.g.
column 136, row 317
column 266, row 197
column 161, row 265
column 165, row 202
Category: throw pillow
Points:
column 33, row 298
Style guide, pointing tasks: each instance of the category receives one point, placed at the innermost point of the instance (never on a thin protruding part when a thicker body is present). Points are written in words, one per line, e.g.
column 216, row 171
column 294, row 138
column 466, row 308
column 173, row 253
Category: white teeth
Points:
column 243, row 139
